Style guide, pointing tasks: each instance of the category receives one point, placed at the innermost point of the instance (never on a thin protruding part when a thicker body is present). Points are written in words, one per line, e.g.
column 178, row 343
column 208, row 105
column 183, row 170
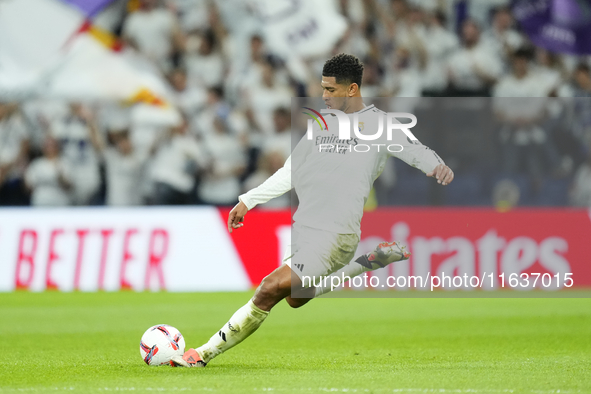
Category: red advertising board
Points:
column 480, row 242
column 190, row 249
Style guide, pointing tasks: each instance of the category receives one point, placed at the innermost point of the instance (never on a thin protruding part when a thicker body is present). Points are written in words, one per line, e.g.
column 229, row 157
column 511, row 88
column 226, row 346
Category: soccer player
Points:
column 332, row 182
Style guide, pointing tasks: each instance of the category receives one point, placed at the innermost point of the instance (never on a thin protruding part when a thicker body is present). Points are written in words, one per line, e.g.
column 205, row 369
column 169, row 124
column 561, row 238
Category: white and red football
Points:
column 160, row 343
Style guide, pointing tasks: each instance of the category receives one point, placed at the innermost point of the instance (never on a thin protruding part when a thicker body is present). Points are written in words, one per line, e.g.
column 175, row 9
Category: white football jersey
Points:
column 334, row 177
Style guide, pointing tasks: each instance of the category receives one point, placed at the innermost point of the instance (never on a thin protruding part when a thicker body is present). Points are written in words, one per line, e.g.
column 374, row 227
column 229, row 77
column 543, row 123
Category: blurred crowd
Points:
column 236, row 128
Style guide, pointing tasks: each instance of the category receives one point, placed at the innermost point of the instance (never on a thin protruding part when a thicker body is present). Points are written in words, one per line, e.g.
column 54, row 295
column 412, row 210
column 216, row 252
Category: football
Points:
column 160, row 343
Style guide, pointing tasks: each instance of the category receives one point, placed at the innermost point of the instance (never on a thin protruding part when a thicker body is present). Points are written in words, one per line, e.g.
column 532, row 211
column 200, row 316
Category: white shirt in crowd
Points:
column 205, row 71
column 528, row 86
column 264, row 100
column 279, row 142
column 124, row 177
column 332, row 187
column 79, row 154
column 549, row 79
column 175, row 162
column 190, row 100
column 521, row 98
column 226, row 155
column 439, row 44
column 406, row 82
column 42, row 176
column 463, row 62
column 152, row 31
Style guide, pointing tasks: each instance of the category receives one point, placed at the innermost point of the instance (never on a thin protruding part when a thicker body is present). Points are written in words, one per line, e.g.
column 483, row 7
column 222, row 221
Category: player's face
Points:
column 335, row 95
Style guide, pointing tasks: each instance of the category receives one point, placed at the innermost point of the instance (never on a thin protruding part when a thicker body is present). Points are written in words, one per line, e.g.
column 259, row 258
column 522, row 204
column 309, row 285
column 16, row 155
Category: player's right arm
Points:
column 276, row 185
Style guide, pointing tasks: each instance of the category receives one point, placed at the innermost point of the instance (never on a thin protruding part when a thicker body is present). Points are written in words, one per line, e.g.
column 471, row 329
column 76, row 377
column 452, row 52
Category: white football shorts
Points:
column 316, row 253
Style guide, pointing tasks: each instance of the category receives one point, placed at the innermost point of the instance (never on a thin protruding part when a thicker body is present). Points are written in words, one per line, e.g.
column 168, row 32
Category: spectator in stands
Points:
column 215, row 106
column 582, row 79
column 525, row 144
column 408, row 35
column 281, row 141
column 550, row 71
column 38, row 115
column 474, row 68
column 400, row 11
column 521, row 81
column 179, row 159
column 49, row 177
column 372, row 81
column 203, row 60
column 245, row 71
column 235, row 92
column 220, row 184
column 403, row 80
column 188, row 98
column 77, row 152
column 266, row 96
column 439, row 44
column 154, row 31
column 124, row 166
column 502, row 38
column 14, row 145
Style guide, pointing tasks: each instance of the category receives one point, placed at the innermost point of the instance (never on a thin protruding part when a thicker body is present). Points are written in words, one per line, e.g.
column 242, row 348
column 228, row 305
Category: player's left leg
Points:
column 245, row 321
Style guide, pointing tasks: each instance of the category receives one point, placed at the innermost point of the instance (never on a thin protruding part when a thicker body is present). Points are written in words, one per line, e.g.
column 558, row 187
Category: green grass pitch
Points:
column 88, row 343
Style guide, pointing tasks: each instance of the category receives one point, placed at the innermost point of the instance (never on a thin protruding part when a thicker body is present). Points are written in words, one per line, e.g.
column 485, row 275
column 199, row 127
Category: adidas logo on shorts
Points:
column 299, row 266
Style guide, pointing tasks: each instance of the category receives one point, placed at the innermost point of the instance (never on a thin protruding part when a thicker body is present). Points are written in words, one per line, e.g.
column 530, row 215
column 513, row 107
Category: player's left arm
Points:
column 425, row 159
column 443, row 174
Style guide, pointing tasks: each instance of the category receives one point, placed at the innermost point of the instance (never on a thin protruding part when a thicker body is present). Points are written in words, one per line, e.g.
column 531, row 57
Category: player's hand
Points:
column 443, row 174
column 236, row 217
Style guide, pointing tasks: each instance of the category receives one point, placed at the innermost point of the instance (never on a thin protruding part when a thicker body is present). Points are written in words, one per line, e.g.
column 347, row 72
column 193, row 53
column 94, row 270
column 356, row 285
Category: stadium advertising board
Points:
column 189, row 249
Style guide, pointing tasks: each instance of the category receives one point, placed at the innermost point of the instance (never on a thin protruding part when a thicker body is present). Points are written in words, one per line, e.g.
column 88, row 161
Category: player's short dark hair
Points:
column 345, row 68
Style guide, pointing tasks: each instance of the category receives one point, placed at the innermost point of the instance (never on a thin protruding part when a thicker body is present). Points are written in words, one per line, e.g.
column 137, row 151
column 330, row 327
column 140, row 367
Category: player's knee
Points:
column 270, row 289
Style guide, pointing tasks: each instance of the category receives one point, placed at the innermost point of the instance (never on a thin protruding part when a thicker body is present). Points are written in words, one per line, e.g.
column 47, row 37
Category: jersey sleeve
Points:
column 276, row 185
column 416, row 154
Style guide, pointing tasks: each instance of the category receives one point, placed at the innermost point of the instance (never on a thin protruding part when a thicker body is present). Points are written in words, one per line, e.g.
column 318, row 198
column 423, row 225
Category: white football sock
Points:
column 244, row 322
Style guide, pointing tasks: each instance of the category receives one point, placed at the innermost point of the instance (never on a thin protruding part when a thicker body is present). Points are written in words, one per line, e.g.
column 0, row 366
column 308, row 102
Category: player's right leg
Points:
column 384, row 254
column 246, row 320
